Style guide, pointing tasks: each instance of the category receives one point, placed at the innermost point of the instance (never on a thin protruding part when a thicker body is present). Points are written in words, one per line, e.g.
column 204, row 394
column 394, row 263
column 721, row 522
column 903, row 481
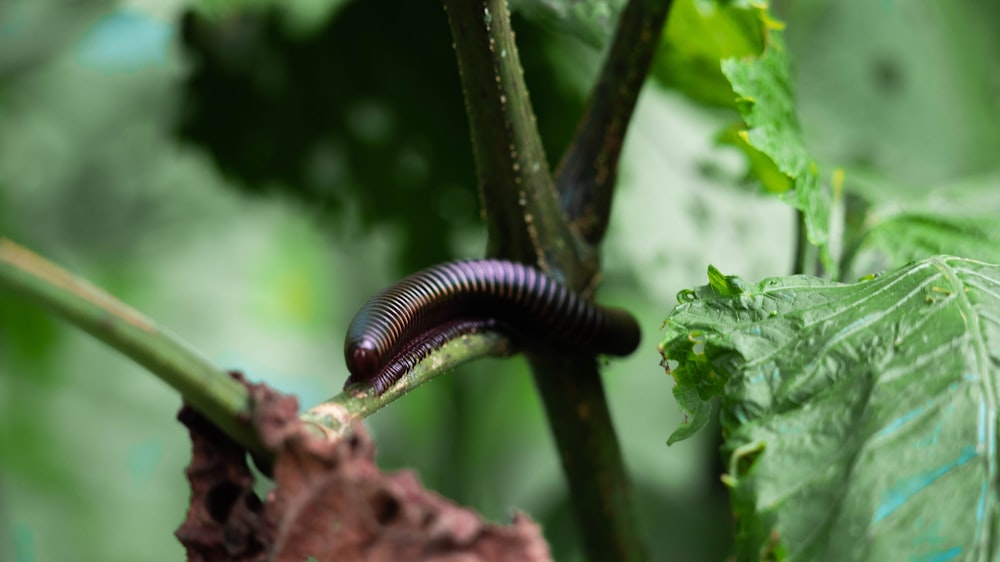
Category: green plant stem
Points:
column 806, row 255
column 587, row 175
column 526, row 223
column 206, row 387
column 523, row 216
column 335, row 416
column 591, row 457
column 855, row 230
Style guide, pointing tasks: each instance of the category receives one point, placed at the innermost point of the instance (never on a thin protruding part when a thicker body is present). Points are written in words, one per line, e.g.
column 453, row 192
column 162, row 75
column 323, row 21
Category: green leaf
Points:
column 906, row 223
column 698, row 36
column 760, row 165
column 860, row 419
column 766, row 102
column 355, row 149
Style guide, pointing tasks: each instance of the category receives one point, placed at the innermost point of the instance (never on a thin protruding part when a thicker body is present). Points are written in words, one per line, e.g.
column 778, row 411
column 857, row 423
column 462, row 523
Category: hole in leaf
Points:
column 220, row 500
column 385, row 506
column 253, row 503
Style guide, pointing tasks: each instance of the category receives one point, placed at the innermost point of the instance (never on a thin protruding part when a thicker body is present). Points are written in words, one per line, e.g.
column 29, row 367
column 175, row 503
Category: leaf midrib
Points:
column 971, row 318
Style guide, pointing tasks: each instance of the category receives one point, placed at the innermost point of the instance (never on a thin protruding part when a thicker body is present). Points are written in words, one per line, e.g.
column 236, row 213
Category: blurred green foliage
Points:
column 904, row 89
column 766, row 101
column 700, row 34
column 901, row 98
column 95, row 177
column 383, row 136
column 591, row 21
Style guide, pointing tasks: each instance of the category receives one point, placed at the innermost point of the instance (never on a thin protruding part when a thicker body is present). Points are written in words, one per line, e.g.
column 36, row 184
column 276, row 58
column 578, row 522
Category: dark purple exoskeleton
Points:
column 404, row 323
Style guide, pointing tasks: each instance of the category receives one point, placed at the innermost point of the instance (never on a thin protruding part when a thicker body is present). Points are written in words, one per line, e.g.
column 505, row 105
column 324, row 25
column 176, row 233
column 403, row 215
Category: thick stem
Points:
column 600, row 495
column 589, row 169
column 526, row 223
column 203, row 385
column 523, row 216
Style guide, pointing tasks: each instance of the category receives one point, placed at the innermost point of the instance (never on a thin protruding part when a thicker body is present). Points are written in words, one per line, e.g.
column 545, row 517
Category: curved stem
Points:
column 337, row 414
column 203, row 385
column 210, row 390
column 589, row 168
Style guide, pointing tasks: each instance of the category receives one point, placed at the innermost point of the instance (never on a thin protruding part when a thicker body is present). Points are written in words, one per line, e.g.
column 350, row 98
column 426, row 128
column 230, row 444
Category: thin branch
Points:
column 337, row 414
column 855, row 231
column 806, row 255
column 589, row 168
column 524, row 220
column 206, row 387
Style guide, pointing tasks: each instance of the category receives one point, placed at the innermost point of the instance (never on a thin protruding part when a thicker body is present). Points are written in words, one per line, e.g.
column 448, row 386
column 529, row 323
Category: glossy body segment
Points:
column 401, row 325
column 417, row 349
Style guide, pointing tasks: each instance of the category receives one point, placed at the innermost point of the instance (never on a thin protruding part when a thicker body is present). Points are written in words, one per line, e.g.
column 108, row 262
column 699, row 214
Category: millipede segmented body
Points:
column 404, row 323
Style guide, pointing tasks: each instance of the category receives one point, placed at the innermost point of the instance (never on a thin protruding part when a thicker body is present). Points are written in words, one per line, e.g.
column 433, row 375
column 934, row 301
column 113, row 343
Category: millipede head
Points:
column 363, row 359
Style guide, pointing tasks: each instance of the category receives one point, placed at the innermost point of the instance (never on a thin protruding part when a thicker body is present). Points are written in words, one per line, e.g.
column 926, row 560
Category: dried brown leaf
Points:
column 330, row 502
column 224, row 520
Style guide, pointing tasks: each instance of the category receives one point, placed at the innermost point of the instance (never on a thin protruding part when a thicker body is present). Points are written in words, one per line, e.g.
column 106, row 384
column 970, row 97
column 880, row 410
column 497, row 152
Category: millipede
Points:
column 401, row 325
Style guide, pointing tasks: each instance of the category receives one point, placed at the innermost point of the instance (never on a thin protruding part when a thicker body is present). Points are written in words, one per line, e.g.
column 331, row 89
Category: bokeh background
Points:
column 249, row 176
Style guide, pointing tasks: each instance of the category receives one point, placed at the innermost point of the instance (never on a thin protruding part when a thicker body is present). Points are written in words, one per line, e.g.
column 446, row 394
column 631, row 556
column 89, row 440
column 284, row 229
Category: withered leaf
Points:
column 330, row 502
